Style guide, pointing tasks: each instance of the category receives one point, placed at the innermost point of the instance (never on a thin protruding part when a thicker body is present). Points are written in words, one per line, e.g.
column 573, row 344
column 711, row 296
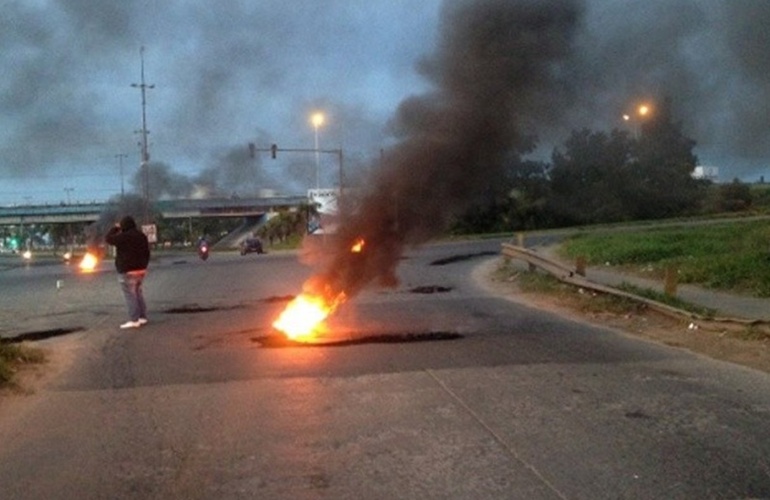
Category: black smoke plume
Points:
column 115, row 209
column 497, row 64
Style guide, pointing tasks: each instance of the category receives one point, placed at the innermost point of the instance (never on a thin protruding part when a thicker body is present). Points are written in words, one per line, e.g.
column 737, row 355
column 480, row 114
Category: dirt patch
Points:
column 715, row 341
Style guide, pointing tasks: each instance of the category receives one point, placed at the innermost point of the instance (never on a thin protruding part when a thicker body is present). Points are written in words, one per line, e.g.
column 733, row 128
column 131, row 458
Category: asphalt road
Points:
column 451, row 394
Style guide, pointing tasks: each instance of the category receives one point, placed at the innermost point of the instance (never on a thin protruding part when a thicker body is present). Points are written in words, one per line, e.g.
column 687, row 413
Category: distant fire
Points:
column 89, row 262
column 358, row 246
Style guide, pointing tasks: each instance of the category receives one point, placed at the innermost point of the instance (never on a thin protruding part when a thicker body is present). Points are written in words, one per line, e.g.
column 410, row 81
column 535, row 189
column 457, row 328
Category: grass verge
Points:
column 748, row 345
column 585, row 301
column 12, row 357
column 733, row 256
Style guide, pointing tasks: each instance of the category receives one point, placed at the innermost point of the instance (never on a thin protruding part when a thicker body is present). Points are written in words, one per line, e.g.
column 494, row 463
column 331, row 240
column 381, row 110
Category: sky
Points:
column 228, row 73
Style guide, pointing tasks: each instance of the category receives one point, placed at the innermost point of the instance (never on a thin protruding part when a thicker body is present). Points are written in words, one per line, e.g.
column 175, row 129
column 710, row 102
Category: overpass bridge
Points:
column 169, row 209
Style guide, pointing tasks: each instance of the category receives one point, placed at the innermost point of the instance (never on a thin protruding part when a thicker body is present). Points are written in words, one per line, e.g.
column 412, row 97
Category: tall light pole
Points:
column 68, row 190
column 145, row 153
column 120, row 157
column 317, row 119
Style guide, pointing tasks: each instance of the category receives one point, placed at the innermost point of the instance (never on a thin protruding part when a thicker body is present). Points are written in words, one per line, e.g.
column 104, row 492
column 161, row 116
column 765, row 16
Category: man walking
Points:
column 132, row 255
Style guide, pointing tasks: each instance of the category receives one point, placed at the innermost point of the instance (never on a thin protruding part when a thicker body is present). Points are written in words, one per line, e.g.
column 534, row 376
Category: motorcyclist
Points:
column 203, row 247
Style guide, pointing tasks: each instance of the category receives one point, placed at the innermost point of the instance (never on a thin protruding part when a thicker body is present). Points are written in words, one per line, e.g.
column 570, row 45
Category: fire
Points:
column 89, row 262
column 358, row 246
column 303, row 318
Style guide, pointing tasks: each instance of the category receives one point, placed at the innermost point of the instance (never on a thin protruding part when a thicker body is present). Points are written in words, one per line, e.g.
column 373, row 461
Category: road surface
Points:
column 435, row 389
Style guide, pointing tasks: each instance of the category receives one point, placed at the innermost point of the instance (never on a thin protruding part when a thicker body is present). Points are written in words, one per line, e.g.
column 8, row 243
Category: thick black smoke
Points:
column 497, row 64
column 222, row 73
column 116, row 208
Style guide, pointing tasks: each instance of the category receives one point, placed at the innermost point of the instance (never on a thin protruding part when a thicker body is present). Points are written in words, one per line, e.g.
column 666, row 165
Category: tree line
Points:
column 600, row 177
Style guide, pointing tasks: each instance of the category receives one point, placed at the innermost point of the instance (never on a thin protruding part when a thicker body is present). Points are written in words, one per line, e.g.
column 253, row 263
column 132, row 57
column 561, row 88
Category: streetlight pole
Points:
column 68, row 190
column 145, row 153
column 317, row 120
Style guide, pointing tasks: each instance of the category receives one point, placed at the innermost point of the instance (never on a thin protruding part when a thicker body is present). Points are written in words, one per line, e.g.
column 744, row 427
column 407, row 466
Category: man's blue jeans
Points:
column 131, row 284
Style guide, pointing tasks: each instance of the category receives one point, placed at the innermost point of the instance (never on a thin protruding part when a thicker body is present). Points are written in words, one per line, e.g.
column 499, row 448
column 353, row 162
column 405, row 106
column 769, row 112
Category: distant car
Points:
column 251, row 245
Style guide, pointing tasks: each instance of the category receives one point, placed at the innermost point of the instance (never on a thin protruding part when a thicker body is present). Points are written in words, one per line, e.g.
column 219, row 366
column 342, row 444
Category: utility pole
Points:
column 120, row 157
column 145, row 174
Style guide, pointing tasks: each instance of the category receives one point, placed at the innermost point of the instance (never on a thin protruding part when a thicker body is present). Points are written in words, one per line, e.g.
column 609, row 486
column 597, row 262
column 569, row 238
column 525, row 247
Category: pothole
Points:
column 462, row 257
column 195, row 308
column 278, row 298
column 431, row 289
column 41, row 335
column 278, row 340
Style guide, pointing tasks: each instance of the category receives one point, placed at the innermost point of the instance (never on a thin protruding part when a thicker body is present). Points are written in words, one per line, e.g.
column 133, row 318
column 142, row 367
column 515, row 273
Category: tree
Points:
column 588, row 177
column 735, row 196
column 511, row 203
column 659, row 175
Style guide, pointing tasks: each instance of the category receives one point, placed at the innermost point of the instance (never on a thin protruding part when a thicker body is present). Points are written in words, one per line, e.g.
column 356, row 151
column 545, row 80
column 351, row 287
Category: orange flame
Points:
column 89, row 262
column 358, row 246
column 303, row 318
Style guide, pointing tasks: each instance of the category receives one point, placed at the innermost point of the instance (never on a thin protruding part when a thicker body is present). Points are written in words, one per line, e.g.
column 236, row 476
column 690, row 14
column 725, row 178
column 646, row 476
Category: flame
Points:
column 358, row 246
column 89, row 262
column 303, row 318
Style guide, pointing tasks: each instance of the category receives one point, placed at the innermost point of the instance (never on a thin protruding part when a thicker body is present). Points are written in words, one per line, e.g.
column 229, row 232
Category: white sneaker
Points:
column 142, row 321
column 131, row 324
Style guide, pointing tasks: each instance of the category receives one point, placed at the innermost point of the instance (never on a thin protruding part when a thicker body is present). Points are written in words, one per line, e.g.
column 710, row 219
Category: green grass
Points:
column 731, row 256
column 587, row 302
column 14, row 355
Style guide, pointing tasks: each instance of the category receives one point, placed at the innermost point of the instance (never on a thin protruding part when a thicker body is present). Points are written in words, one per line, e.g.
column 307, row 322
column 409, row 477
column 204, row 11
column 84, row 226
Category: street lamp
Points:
column 642, row 112
column 317, row 119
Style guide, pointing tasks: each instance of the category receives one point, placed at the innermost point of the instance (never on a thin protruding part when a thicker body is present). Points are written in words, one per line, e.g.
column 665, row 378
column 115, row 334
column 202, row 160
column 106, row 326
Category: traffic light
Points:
column 273, row 150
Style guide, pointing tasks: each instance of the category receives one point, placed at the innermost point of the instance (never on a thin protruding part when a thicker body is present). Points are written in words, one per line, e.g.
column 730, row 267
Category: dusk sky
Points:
column 228, row 73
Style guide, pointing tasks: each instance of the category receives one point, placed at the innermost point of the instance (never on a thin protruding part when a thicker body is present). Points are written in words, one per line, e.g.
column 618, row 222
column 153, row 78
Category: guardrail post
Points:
column 580, row 265
column 520, row 239
column 671, row 280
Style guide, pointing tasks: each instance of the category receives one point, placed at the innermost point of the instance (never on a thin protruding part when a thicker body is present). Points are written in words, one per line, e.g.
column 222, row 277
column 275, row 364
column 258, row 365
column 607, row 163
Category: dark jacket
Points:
column 132, row 251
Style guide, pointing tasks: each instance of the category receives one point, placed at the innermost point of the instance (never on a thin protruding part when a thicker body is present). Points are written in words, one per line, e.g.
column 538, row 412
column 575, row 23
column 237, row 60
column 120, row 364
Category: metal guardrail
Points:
column 571, row 276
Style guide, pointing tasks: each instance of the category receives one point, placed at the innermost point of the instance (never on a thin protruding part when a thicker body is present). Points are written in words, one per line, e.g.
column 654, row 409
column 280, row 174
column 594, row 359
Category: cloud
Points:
column 228, row 72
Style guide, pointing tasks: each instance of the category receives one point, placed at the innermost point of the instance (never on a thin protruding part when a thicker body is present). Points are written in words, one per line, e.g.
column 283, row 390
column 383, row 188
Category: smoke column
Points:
column 494, row 63
column 130, row 204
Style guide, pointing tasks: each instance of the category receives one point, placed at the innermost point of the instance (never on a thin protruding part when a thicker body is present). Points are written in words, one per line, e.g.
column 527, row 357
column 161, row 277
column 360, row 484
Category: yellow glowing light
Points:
column 358, row 246
column 27, row 255
column 302, row 317
column 644, row 110
column 317, row 119
column 88, row 263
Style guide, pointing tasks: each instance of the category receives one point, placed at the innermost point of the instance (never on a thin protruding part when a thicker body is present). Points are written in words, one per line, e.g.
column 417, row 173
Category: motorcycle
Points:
column 203, row 250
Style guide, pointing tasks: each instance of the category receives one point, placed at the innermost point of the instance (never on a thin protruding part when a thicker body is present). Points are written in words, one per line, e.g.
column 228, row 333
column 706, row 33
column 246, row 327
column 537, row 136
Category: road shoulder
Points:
column 643, row 323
